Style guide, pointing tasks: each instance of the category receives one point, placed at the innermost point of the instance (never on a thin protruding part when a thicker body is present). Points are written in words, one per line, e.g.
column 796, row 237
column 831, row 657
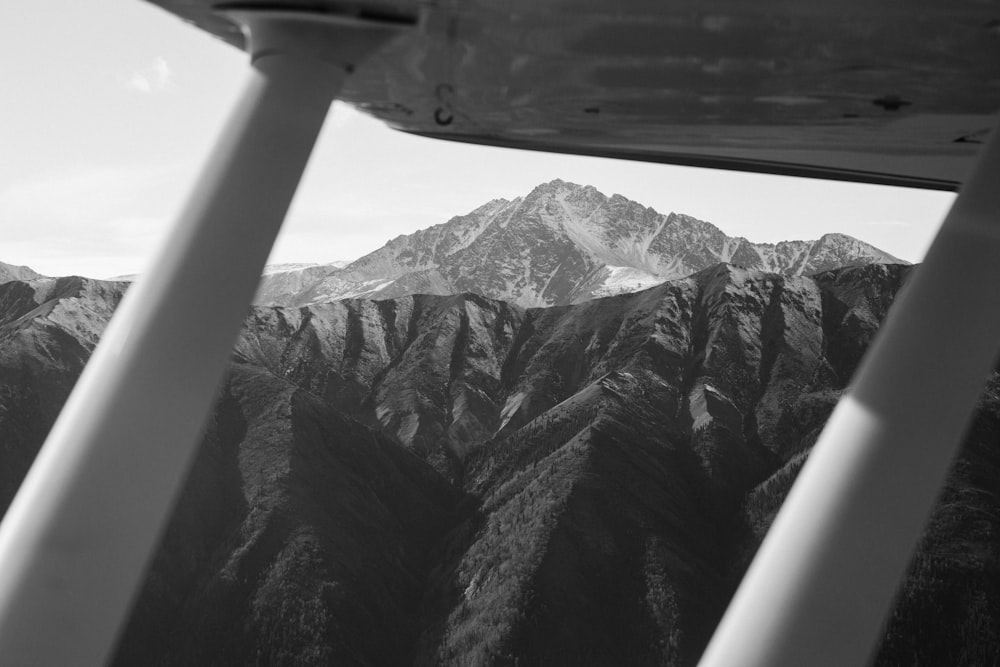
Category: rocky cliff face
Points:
column 562, row 244
column 458, row 480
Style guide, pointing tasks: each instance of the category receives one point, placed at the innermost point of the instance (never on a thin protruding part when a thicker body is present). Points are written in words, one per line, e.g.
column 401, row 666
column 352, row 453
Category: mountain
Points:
column 48, row 328
column 561, row 244
column 10, row 272
column 281, row 279
column 301, row 537
column 460, row 480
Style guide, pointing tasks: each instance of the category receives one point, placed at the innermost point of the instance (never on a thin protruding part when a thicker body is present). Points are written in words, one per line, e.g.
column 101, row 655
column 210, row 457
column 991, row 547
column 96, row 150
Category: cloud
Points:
column 156, row 78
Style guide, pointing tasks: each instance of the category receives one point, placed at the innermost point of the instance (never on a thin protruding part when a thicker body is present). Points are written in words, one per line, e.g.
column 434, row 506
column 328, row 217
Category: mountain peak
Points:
column 566, row 243
column 554, row 186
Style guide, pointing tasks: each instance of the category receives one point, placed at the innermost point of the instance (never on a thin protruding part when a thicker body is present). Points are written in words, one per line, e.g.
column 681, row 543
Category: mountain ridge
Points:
column 563, row 243
column 9, row 272
column 459, row 480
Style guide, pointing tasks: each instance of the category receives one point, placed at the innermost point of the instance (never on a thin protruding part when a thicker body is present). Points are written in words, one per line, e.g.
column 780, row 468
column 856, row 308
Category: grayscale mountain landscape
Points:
column 457, row 479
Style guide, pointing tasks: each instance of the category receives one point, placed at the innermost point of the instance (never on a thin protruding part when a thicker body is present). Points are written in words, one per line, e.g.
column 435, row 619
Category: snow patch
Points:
column 408, row 428
column 511, row 408
column 382, row 286
column 622, row 279
column 272, row 269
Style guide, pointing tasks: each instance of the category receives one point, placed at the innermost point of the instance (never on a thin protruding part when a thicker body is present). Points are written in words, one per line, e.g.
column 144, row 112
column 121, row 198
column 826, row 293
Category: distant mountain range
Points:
column 457, row 480
column 560, row 244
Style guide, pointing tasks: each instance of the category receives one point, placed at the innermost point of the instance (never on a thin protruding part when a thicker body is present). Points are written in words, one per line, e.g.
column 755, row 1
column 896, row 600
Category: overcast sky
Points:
column 109, row 107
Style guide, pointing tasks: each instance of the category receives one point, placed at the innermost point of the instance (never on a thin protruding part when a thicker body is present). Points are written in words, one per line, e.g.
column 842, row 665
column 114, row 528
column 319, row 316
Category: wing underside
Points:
column 888, row 92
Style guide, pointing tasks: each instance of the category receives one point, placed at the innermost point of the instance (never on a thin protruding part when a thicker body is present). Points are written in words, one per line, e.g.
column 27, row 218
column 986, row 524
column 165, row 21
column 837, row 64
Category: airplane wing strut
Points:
column 823, row 581
column 75, row 542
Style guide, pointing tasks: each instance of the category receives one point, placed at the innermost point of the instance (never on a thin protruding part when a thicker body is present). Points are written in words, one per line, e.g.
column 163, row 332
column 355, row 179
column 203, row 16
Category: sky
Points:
column 110, row 107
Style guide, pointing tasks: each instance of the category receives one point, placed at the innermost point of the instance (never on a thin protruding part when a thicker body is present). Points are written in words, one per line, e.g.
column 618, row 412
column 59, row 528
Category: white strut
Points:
column 76, row 541
column 823, row 581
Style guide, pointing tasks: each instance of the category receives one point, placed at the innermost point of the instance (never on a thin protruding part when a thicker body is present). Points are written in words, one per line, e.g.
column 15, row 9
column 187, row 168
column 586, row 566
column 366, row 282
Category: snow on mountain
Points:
column 279, row 280
column 293, row 267
column 414, row 258
column 612, row 280
column 272, row 269
column 562, row 243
